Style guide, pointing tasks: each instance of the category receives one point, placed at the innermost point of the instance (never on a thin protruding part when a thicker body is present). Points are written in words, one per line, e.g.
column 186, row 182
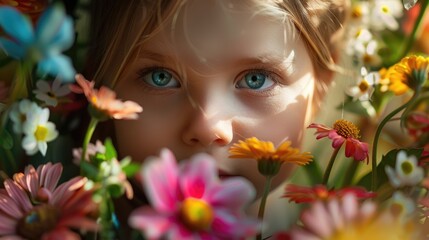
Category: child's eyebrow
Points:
column 159, row 57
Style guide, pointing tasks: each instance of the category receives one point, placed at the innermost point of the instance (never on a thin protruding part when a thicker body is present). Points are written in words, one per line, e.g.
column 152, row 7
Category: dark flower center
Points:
column 38, row 221
column 346, row 129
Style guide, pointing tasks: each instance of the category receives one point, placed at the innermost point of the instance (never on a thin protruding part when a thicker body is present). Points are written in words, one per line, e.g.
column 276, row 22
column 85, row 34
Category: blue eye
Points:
column 160, row 78
column 256, row 80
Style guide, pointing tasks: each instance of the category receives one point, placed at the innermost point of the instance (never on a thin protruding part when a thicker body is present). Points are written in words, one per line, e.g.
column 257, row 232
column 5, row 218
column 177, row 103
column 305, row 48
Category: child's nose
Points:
column 207, row 132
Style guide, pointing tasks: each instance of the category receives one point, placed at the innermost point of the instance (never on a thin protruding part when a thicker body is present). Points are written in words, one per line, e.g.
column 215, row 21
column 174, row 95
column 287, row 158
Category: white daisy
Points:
column 406, row 172
column 38, row 131
column 385, row 13
column 50, row 94
column 20, row 112
column 364, row 87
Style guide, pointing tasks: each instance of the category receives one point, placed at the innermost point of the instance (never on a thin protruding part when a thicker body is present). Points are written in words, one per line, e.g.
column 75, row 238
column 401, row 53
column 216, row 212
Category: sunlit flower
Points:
column 343, row 131
column 32, row 8
column 359, row 13
column 302, row 194
column 104, row 101
column 385, row 13
column 385, row 78
column 189, row 202
column 365, row 86
column 51, row 94
column 63, row 209
column 269, row 158
column 43, row 44
column 20, row 113
column 38, row 132
column 358, row 39
column 347, row 219
column 410, row 73
column 406, row 172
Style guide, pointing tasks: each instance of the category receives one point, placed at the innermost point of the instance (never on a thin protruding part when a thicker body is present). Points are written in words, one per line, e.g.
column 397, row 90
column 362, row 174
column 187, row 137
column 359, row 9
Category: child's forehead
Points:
column 214, row 30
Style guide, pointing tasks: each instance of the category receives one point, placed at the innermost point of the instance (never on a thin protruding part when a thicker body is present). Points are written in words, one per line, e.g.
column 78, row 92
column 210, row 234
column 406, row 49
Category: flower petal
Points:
column 199, row 175
column 64, row 38
column 16, row 25
column 151, row 222
column 12, row 49
column 240, row 188
column 57, row 66
column 228, row 226
column 49, row 24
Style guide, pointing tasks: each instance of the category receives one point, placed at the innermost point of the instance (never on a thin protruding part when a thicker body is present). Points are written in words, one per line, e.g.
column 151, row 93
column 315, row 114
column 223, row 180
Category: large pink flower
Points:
column 189, row 201
column 104, row 100
column 343, row 131
column 33, row 207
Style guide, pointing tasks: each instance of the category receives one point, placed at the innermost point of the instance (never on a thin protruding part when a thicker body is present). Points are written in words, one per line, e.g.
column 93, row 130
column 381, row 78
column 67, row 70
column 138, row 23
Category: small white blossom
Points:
column 401, row 204
column 38, row 132
column 364, row 87
column 51, row 94
column 406, row 172
column 385, row 13
column 20, row 113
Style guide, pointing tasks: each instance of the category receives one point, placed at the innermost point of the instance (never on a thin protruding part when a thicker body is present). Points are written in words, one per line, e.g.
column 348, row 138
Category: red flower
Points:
column 343, row 131
column 417, row 124
column 33, row 8
column 302, row 194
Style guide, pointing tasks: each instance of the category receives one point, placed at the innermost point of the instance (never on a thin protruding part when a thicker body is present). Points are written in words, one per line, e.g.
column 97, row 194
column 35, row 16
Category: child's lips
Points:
column 223, row 174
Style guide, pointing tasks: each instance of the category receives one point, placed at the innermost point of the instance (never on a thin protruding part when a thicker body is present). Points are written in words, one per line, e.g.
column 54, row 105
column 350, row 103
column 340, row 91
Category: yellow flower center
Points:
column 37, row 222
column 41, row 133
column 385, row 9
column 357, row 12
column 322, row 193
column 346, row 129
column 196, row 214
column 407, row 167
column 363, row 85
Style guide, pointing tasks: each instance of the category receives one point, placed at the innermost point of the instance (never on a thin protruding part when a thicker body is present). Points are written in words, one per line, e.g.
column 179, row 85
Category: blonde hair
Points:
column 128, row 23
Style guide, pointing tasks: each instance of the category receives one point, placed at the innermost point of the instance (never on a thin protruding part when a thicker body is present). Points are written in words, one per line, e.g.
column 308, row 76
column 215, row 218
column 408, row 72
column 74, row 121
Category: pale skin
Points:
column 258, row 83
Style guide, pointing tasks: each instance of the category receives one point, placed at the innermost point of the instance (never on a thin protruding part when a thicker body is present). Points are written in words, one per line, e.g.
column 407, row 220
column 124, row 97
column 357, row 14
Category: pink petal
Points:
column 240, row 188
column 152, row 223
column 16, row 193
column 182, row 233
column 199, row 174
column 52, row 176
column 79, row 222
column 160, row 176
column 227, row 226
column 10, row 207
column 7, row 225
column 61, row 234
column 316, row 219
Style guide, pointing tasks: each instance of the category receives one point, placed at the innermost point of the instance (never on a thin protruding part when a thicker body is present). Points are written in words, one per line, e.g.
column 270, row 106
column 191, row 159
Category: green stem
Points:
column 106, row 211
column 264, row 201
column 89, row 132
column 350, row 173
column 330, row 165
column 412, row 38
column 20, row 88
column 377, row 136
column 11, row 159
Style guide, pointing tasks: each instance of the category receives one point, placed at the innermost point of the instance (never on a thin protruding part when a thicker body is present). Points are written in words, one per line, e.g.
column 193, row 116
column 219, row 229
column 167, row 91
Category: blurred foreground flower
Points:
column 301, row 194
column 50, row 94
column 347, row 219
column 51, row 212
column 343, row 131
column 32, row 8
column 43, row 44
column 189, row 202
column 406, row 173
column 104, row 102
column 269, row 158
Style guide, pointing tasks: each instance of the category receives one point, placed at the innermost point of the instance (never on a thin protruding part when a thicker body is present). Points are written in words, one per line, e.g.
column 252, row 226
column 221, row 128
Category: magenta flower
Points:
column 343, row 131
column 189, row 201
column 33, row 207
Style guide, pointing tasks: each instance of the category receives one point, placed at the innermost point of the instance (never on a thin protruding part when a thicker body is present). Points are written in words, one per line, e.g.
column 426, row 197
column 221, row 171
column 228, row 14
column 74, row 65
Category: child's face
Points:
column 219, row 82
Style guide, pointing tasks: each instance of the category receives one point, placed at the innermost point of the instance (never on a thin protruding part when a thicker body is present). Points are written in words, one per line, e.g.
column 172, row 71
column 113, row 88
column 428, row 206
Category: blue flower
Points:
column 52, row 34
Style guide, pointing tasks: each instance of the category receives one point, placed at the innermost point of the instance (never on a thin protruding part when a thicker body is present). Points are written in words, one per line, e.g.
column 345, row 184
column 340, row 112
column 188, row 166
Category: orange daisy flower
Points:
column 409, row 73
column 269, row 158
column 104, row 101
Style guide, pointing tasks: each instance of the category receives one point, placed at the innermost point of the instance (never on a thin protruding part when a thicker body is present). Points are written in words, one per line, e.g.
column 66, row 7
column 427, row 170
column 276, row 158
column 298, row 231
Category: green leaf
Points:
column 89, row 170
column 110, row 149
column 131, row 169
column 6, row 140
column 314, row 172
column 115, row 190
column 357, row 107
column 387, row 160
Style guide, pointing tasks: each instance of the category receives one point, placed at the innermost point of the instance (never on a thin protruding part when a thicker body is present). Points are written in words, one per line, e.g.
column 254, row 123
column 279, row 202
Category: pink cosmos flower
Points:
column 343, row 131
column 104, row 100
column 302, row 194
column 35, row 208
column 189, row 201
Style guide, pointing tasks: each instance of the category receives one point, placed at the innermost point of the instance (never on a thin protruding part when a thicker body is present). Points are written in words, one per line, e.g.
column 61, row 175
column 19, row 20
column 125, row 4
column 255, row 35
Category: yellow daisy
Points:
column 410, row 73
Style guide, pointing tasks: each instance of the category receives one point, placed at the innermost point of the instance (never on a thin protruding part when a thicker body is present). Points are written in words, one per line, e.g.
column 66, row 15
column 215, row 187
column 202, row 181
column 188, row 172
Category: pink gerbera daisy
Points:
column 104, row 101
column 189, row 201
column 343, row 131
column 35, row 208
